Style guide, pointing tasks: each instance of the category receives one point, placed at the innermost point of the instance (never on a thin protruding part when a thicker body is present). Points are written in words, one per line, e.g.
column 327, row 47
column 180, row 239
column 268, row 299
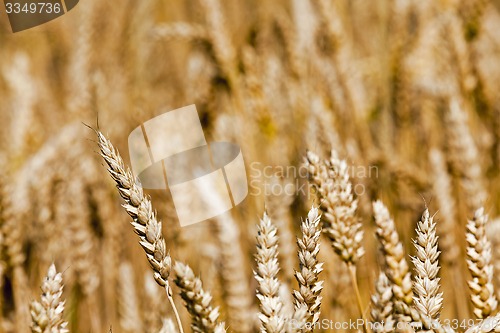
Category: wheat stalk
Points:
column 427, row 300
column 309, row 292
column 479, row 263
column 145, row 224
column 198, row 302
column 382, row 306
column 271, row 315
column 47, row 314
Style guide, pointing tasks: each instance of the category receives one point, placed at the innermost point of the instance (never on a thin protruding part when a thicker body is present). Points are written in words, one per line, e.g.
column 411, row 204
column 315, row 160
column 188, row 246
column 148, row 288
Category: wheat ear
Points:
column 13, row 241
column 427, row 300
column 382, row 306
column 330, row 179
column 198, row 302
column 128, row 303
column 396, row 266
column 168, row 326
column 271, row 314
column 464, row 155
column 479, row 263
column 310, row 288
column 145, row 224
column 47, row 314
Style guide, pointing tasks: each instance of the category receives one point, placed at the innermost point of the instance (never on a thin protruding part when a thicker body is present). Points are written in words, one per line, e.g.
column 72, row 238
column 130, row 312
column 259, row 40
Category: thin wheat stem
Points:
column 174, row 308
column 352, row 273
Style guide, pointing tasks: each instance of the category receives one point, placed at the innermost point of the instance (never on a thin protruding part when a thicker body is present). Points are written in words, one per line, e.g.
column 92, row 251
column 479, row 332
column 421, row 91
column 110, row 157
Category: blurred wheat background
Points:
column 405, row 92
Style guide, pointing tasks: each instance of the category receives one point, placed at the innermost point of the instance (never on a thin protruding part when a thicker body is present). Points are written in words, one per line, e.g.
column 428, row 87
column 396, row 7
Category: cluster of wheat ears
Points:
column 370, row 132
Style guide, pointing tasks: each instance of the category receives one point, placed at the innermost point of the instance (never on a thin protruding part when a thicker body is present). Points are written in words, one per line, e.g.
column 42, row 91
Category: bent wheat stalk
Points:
column 145, row 224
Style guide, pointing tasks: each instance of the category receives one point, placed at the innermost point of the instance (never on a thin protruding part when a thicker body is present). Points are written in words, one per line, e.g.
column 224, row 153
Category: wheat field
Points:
column 370, row 132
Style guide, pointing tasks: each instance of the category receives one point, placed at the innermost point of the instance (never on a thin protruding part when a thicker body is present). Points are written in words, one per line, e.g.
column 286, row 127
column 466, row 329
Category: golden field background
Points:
column 407, row 89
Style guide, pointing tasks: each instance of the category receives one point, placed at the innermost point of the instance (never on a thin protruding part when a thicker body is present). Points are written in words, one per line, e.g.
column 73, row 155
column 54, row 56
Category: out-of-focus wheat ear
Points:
column 82, row 61
column 12, row 231
column 107, row 213
column 443, row 190
column 330, row 180
column 279, row 208
column 427, row 299
column 145, row 224
column 198, row 302
column 271, row 314
column 168, row 326
column 219, row 37
column 19, row 78
column 83, row 245
column 234, row 276
column 309, row 292
column 396, row 266
column 180, row 31
column 464, row 155
column 152, row 320
column 128, row 304
column 47, row 314
column 382, row 306
column 479, row 262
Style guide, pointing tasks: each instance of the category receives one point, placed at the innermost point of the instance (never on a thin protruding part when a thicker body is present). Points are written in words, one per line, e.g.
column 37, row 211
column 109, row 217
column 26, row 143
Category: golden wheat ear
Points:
column 271, row 314
column 309, row 293
column 479, row 263
column 144, row 221
column 47, row 314
column 382, row 306
column 330, row 179
column 198, row 302
column 427, row 299
column 396, row 267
